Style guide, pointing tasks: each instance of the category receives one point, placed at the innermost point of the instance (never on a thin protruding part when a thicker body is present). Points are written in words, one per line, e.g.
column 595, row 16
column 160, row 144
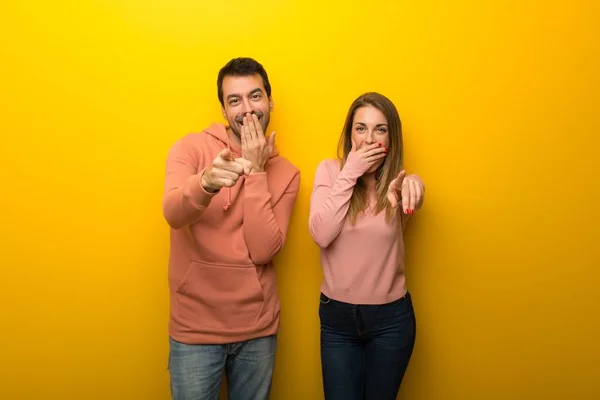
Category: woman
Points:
column 367, row 320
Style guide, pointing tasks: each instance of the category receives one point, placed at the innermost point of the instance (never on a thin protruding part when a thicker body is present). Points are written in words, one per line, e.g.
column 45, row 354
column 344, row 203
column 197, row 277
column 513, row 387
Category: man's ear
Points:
column 271, row 104
column 223, row 112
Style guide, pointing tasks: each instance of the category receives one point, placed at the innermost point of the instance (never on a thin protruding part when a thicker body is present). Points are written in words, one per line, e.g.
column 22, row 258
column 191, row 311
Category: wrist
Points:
column 257, row 170
column 353, row 168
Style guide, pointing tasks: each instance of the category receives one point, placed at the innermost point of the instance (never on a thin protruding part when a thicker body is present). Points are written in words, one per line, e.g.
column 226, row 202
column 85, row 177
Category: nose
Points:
column 369, row 138
column 246, row 106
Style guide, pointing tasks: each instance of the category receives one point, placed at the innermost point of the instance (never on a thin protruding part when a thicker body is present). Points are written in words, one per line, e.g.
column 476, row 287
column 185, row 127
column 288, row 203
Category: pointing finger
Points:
column 245, row 164
column 230, row 167
column 413, row 195
column 405, row 196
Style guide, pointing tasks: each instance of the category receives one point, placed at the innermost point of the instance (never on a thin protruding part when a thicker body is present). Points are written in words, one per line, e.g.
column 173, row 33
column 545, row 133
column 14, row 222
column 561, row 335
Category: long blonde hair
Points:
column 388, row 170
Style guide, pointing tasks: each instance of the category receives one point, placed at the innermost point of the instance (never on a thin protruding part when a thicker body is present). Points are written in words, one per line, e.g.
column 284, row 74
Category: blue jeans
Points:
column 365, row 349
column 196, row 369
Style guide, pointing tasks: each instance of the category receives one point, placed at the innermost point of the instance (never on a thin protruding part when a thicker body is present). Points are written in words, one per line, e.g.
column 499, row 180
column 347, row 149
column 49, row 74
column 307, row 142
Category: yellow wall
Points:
column 500, row 106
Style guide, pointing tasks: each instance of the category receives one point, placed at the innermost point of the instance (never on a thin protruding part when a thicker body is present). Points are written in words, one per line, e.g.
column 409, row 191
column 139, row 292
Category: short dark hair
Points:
column 242, row 66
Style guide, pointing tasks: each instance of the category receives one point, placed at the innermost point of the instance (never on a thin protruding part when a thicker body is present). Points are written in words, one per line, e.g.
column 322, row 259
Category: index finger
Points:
column 258, row 127
column 405, row 196
column 251, row 127
column 246, row 165
column 233, row 166
column 369, row 147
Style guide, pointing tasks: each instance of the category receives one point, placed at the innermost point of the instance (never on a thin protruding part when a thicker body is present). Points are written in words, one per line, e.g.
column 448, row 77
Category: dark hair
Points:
column 242, row 66
column 392, row 165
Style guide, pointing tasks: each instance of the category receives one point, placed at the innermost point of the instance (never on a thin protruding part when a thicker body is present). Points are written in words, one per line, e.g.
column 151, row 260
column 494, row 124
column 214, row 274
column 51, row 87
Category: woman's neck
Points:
column 369, row 179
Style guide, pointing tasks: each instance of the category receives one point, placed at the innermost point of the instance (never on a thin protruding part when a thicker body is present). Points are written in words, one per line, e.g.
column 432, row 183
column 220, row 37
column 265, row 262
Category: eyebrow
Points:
column 257, row 90
column 362, row 123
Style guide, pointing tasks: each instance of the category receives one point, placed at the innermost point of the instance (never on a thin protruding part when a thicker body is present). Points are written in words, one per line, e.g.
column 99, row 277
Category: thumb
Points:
column 401, row 189
column 396, row 184
column 226, row 155
column 353, row 148
column 391, row 194
column 401, row 176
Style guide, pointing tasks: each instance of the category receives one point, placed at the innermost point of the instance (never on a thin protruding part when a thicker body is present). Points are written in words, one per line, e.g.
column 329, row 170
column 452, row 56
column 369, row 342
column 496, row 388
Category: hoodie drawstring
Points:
column 226, row 207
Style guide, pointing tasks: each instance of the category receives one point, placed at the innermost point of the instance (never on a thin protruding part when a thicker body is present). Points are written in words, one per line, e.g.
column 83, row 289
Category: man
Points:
column 228, row 200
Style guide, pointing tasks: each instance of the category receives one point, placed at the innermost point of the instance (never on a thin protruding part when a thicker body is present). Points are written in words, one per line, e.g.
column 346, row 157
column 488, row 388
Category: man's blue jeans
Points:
column 196, row 370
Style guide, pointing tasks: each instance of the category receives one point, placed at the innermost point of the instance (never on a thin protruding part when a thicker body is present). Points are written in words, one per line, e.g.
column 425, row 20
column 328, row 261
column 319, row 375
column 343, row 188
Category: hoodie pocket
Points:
column 220, row 296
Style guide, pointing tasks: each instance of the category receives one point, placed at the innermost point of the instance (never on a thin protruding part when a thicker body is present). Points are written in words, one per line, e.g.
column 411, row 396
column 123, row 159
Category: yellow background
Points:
column 500, row 107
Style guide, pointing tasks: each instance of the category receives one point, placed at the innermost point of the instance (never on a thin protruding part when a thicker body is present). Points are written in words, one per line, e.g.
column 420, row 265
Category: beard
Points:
column 238, row 121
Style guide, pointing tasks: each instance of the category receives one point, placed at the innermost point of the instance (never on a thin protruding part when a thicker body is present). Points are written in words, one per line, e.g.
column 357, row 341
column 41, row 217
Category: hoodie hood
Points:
column 219, row 132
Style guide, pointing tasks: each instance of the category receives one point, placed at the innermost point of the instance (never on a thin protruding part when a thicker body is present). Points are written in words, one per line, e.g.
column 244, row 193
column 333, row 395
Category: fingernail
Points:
column 378, row 144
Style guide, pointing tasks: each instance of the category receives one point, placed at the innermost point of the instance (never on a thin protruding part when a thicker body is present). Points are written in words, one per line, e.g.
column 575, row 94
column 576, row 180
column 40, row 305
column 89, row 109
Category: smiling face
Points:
column 245, row 94
column 369, row 126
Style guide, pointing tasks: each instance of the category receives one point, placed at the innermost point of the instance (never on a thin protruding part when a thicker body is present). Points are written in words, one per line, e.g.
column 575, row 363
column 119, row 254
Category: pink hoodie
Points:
column 221, row 278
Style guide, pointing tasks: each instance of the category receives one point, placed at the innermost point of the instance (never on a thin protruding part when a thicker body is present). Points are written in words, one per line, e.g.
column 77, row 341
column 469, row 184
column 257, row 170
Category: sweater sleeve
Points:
column 265, row 224
column 330, row 201
column 184, row 198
